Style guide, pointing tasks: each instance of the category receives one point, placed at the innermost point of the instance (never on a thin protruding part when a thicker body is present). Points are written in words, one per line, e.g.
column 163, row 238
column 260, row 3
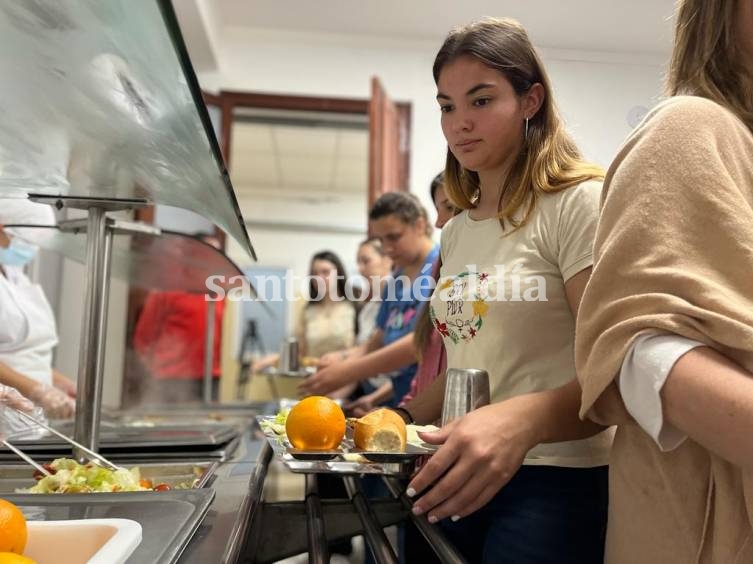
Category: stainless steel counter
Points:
column 239, row 527
column 222, row 533
column 167, row 519
column 223, row 503
column 209, row 516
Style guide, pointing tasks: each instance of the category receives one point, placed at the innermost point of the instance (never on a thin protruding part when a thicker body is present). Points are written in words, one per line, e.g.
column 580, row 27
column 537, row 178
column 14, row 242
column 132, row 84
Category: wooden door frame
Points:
column 228, row 100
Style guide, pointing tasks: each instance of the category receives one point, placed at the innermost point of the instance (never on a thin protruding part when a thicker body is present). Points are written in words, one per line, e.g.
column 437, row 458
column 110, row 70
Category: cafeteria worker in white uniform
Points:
column 27, row 325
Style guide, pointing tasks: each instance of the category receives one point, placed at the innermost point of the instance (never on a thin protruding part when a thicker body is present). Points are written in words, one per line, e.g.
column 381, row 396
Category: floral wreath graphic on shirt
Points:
column 462, row 330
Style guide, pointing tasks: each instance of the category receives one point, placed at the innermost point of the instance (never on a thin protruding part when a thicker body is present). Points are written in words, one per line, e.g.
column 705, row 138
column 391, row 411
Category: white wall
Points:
column 293, row 249
column 303, row 228
column 183, row 221
column 595, row 90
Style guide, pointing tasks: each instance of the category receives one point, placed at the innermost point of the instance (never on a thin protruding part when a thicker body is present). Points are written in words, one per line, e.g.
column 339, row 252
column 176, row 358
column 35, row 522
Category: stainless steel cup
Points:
column 289, row 356
column 466, row 389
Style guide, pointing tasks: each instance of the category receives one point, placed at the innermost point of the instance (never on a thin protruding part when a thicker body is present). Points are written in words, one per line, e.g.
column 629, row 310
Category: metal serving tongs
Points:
column 93, row 456
column 28, row 459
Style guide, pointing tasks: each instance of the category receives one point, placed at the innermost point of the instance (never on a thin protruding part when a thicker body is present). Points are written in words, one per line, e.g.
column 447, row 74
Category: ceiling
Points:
column 312, row 164
column 635, row 26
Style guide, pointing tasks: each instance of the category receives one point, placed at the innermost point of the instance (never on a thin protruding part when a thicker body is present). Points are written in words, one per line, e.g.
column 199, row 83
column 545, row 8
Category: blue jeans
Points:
column 544, row 515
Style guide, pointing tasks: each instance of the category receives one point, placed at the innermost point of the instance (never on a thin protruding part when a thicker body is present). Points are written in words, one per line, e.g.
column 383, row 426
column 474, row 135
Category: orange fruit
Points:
column 13, row 558
column 12, row 528
column 315, row 423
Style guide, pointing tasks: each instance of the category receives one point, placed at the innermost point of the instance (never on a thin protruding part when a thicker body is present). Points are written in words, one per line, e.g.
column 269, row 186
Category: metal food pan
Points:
column 206, row 419
column 18, row 476
column 178, row 453
column 168, row 519
column 197, row 411
column 113, row 436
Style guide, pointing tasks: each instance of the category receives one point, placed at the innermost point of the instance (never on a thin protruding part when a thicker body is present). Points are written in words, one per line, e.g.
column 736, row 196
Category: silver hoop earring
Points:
column 526, row 137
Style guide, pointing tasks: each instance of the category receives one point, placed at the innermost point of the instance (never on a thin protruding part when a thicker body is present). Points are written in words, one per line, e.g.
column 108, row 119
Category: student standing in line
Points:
column 375, row 266
column 665, row 332
column 326, row 319
column 401, row 224
column 426, row 343
column 523, row 479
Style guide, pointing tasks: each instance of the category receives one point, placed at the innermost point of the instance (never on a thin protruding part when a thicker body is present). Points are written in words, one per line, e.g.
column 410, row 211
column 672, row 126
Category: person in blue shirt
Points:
column 401, row 224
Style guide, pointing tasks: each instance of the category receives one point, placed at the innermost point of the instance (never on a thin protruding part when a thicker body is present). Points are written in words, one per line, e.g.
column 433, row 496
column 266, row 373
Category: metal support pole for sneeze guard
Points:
column 209, row 352
column 99, row 236
column 93, row 332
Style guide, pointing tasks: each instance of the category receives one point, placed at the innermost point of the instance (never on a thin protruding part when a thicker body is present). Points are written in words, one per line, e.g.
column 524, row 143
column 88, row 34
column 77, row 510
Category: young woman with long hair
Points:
column 523, row 479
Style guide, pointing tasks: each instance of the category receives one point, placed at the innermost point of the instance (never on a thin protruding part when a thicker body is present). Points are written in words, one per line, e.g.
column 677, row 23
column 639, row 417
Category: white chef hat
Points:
column 21, row 211
column 15, row 211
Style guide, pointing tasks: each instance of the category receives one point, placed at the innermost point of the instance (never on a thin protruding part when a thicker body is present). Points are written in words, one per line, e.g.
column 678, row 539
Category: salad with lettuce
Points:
column 68, row 476
column 276, row 425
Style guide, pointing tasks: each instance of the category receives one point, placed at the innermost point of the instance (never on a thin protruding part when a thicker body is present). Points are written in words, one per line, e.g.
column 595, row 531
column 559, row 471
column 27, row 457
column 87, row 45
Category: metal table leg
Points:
column 444, row 550
column 377, row 540
column 318, row 549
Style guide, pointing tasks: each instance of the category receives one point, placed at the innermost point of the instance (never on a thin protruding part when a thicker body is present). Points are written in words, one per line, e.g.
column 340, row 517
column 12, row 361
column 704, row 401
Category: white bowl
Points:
column 84, row 541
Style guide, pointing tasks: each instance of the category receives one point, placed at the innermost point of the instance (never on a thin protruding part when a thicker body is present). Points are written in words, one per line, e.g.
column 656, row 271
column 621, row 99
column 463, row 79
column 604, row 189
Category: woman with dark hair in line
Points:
column 425, row 345
column 376, row 267
column 326, row 320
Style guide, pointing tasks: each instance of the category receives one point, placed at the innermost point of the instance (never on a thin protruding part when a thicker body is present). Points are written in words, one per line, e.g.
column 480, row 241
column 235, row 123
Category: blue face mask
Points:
column 18, row 253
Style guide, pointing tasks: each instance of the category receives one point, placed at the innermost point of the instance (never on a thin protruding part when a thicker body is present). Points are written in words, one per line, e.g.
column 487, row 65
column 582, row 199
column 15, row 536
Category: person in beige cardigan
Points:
column 664, row 338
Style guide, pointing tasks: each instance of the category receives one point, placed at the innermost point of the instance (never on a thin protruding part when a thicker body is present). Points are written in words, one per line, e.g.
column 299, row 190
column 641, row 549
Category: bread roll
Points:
column 382, row 430
column 309, row 361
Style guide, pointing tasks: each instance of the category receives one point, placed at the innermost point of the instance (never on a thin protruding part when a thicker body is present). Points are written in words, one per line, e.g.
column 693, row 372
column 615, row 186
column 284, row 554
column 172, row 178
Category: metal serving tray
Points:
column 304, row 372
column 173, row 421
column 218, row 453
column 240, row 414
column 18, row 476
column 168, row 519
column 348, row 459
column 127, row 436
